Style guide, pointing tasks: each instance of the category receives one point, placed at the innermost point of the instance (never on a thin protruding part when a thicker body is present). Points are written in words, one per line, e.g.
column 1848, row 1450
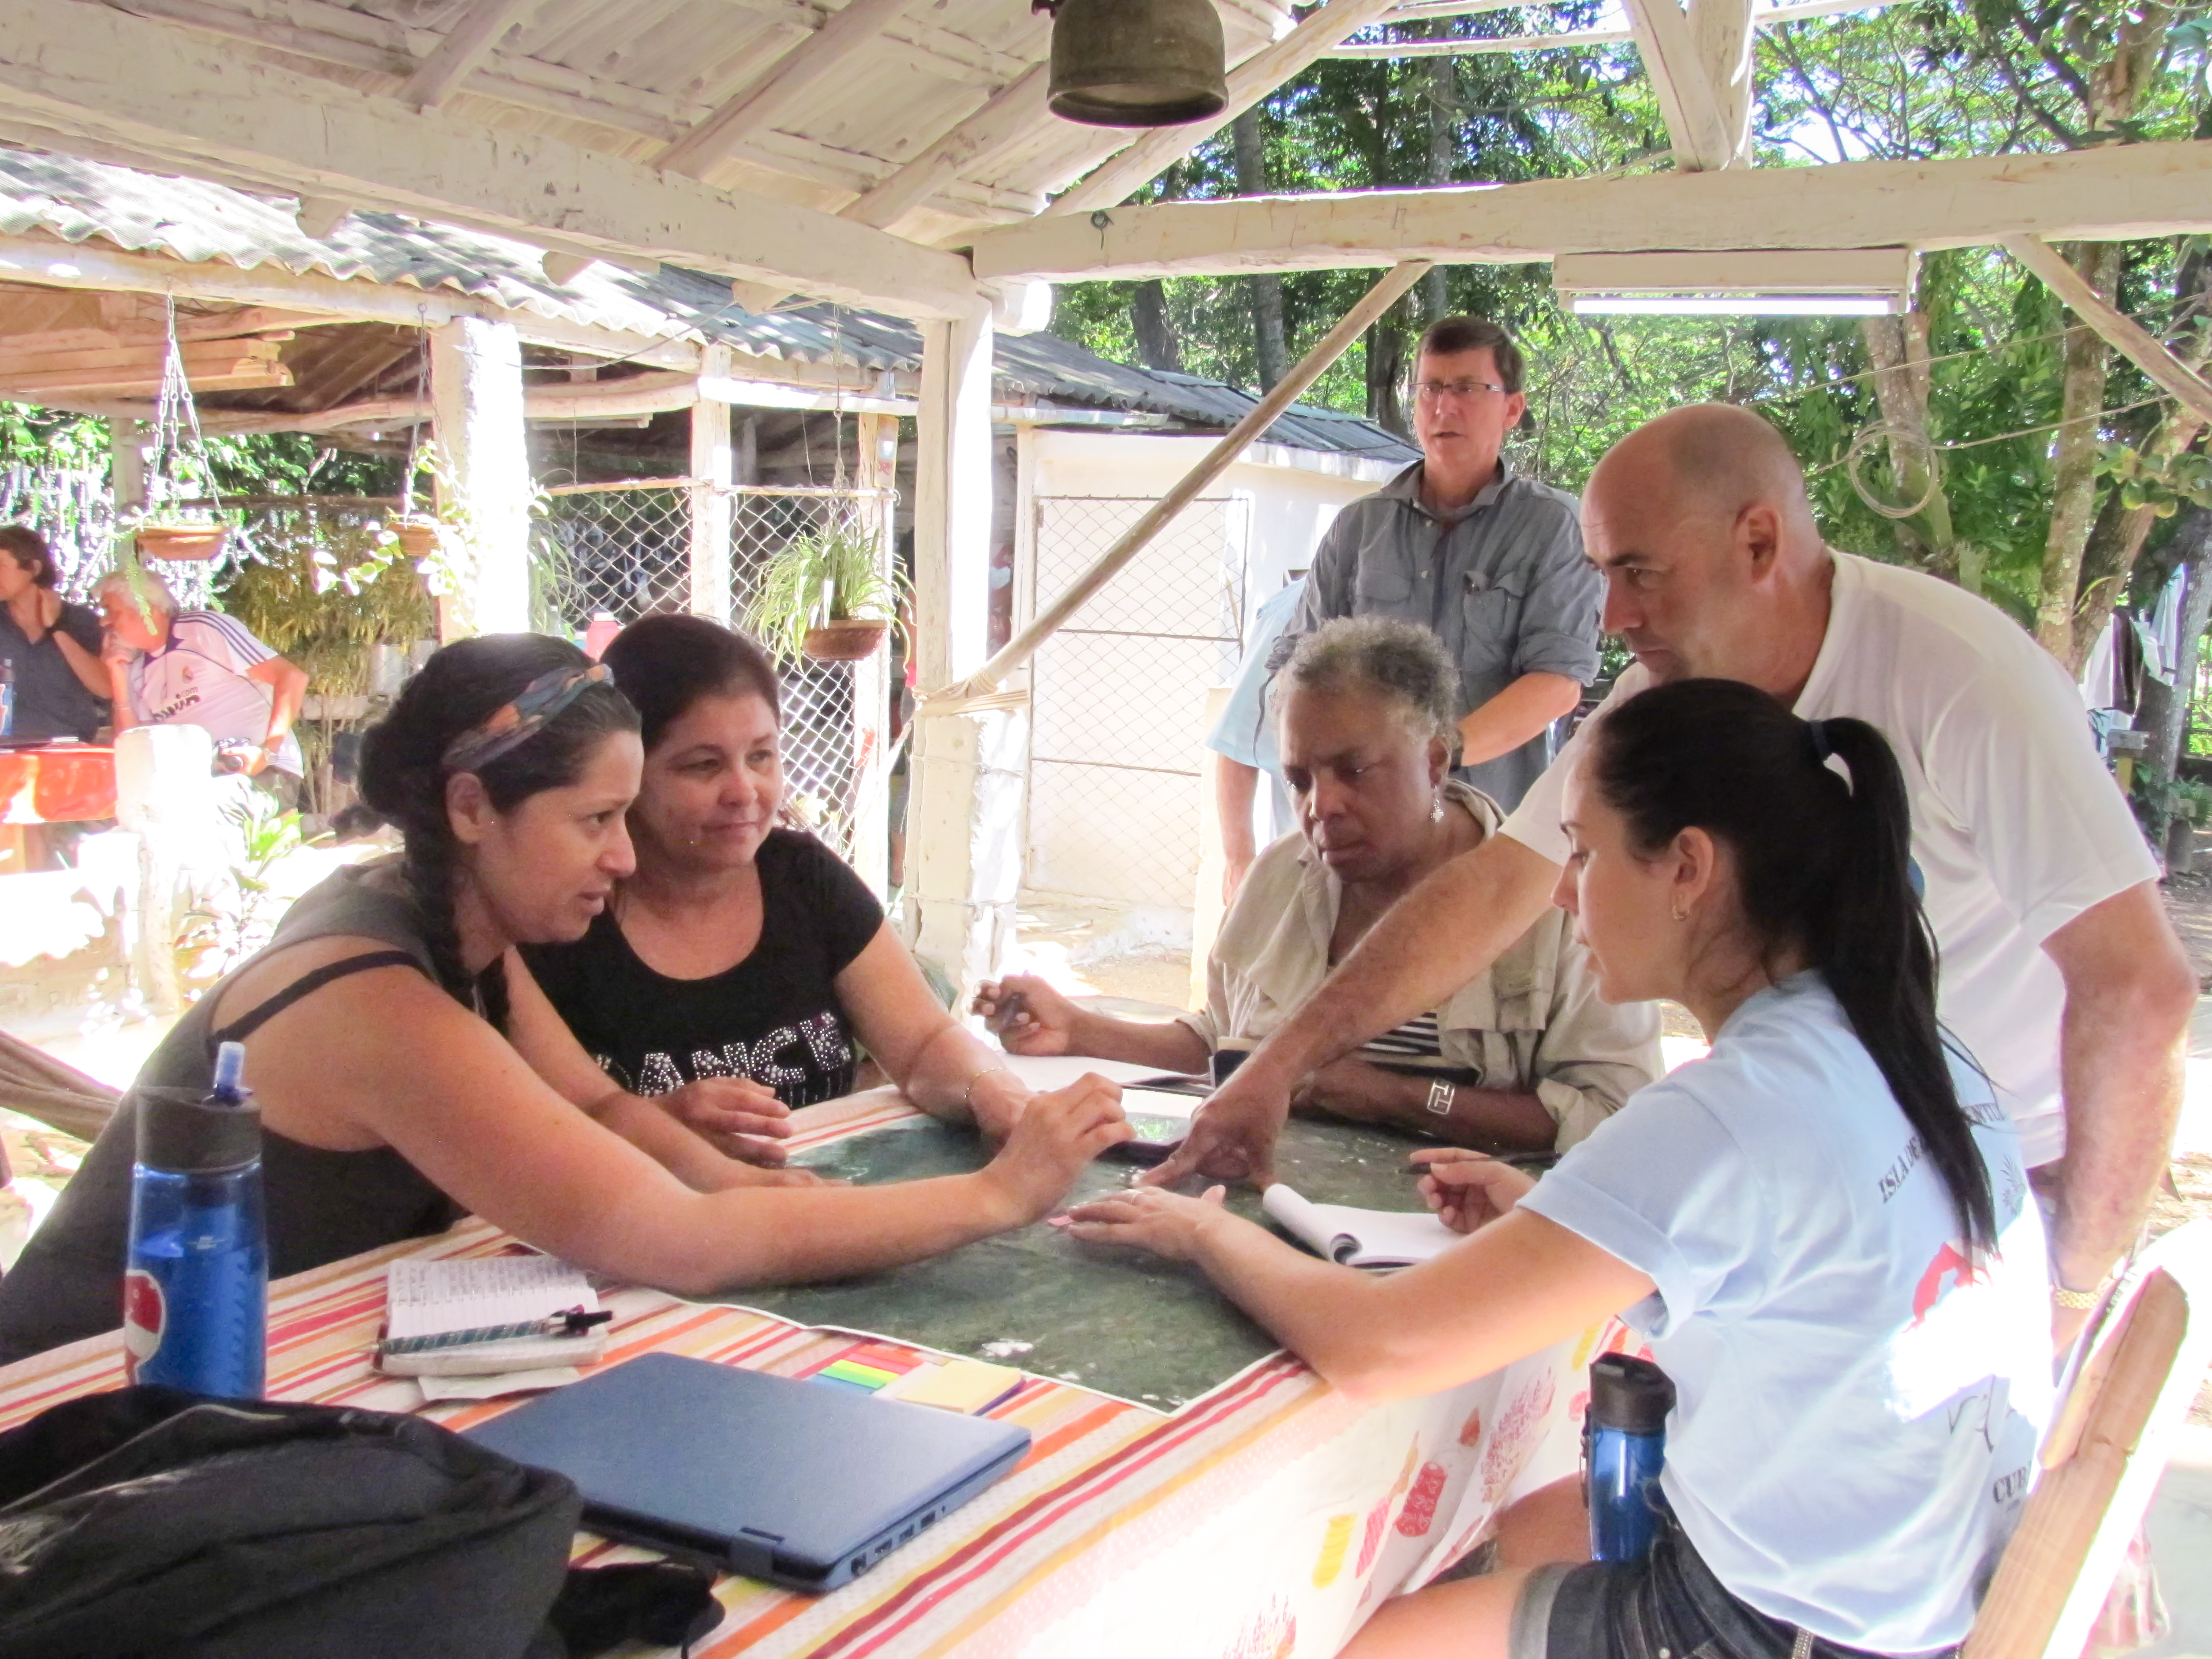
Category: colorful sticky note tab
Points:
column 958, row 1385
column 850, row 1370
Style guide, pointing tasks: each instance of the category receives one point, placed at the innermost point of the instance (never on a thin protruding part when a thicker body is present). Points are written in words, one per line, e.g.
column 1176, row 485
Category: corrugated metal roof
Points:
column 198, row 222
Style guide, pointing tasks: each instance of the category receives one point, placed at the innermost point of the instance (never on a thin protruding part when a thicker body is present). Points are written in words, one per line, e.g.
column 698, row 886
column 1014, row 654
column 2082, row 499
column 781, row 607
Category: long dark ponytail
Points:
column 402, row 774
column 1822, row 864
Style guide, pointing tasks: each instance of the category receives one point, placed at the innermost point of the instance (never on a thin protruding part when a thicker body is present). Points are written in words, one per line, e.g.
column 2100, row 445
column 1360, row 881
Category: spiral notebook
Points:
column 485, row 1315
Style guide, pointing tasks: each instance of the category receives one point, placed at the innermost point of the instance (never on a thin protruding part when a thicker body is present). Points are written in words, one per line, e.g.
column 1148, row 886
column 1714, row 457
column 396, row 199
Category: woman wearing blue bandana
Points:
column 402, row 1085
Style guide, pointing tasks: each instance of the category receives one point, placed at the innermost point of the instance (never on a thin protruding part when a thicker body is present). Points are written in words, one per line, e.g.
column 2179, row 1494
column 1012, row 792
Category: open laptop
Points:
column 795, row 1482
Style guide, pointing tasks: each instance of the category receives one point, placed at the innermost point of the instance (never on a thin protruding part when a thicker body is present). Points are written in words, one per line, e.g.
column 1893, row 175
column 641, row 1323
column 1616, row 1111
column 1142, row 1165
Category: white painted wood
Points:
column 966, row 148
column 2112, row 192
column 1801, row 270
column 2117, row 329
column 711, row 470
column 1677, row 71
column 476, row 395
column 952, row 499
column 466, row 45
column 876, row 448
column 1500, row 44
column 1724, row 35
column 1132, row 541
column 964, row 842
column 73, row 67
column 319, row 216
column 788, row 81
column 1249, row 82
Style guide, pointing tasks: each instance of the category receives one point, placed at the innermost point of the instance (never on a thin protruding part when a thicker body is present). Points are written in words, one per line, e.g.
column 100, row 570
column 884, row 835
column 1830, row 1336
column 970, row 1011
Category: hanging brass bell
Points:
column 1137, row 63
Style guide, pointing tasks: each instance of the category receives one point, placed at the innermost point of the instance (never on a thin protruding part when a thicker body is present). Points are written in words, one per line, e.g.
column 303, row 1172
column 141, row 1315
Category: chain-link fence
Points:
column 1118, row 697
column 624, row 550
column 76, row 512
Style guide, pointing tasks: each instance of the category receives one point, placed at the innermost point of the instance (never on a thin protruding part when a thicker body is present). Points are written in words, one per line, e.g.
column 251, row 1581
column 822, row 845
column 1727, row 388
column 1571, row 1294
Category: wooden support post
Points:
column 1134, row 540
column 964, row 838
column 126, row 464
column 2117, row 329
column 476, row 404
column 877, row 446
column 712, row 473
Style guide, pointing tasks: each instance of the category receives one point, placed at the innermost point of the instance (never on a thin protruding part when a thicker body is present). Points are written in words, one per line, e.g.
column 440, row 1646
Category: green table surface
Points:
column 1116, row 1319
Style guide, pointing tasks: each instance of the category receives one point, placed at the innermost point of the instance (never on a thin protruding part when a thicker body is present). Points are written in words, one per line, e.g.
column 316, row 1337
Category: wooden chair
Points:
column 2102, row 1457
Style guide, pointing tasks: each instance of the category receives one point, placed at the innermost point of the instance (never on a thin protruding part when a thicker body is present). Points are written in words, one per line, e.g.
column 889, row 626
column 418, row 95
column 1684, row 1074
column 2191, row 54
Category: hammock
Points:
column 58, row 1095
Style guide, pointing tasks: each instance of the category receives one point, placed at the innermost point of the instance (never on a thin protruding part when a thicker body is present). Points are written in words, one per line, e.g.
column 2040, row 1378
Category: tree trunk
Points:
column 1386, row 373
column 1267, row 287
column 2117, row 540
column 2074, row 476
column 1897, row 346
column 1156, row 338
column 2164, row 711
column 1444, row 155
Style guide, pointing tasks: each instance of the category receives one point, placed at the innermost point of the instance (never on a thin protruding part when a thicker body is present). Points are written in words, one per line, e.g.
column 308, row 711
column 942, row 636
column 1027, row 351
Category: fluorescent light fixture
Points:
column 1735, row 305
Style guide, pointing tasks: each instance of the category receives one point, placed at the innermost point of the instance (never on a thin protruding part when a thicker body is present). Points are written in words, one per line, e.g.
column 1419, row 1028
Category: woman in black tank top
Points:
column 391, row 1099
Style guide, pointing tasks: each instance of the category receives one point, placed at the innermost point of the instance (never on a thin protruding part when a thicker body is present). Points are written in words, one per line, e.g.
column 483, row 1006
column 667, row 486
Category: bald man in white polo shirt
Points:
column 2060, row 970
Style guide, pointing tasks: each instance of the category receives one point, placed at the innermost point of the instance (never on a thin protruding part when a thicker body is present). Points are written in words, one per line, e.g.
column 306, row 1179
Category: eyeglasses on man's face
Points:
column 1436, row 391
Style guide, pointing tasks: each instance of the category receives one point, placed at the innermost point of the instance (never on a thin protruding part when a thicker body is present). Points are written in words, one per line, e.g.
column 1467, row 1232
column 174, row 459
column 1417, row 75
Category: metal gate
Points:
column 1118, row 697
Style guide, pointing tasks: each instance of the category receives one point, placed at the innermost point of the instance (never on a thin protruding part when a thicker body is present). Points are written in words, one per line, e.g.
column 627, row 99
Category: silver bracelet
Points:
column 1441, row 1095
column 968, row 1094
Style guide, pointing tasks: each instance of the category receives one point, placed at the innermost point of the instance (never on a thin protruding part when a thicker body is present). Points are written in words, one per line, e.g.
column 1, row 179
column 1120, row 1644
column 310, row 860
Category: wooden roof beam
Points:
column 2114, row 192
column 966, row 148
column 769, row 95
column 467, row 45
column 84, row 71
column 2118, row 329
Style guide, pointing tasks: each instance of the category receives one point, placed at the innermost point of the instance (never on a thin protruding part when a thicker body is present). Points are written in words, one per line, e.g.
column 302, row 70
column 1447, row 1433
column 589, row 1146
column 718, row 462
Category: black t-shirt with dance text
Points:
column 775, row 1017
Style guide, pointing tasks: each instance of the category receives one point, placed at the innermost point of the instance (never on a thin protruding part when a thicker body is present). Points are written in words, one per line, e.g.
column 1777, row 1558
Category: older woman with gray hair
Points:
column 1525, row 1058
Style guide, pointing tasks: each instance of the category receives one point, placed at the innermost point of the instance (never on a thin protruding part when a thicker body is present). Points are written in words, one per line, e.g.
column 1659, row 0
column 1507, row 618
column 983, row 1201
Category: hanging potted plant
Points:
column 169, row 533
column 168, row 526
column 823, row 595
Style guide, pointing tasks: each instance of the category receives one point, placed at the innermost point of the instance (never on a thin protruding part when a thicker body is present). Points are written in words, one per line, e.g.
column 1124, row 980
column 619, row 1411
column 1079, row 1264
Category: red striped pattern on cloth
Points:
column 1109, row 1492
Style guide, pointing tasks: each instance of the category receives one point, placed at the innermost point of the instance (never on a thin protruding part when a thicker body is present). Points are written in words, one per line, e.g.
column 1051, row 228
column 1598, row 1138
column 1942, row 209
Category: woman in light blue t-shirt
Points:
column 1822, row 1230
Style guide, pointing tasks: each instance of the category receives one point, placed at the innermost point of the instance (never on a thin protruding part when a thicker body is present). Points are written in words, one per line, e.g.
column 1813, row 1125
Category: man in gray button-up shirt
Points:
column 1493, row 562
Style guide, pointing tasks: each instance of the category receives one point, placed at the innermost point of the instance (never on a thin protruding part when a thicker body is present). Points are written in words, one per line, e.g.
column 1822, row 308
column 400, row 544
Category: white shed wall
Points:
column 1118, row 760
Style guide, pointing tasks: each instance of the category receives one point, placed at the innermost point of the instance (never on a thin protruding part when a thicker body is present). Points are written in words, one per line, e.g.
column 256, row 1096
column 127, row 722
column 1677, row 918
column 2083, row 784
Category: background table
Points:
column 68, row 783
column 1261, row 1520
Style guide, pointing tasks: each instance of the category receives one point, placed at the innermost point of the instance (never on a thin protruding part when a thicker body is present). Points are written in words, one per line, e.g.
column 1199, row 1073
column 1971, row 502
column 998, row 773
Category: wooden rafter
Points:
column 2120, row 190
column 466, row 45
column 966, row 146
column 2119, row 330
column 70, row 67
column 789, row 78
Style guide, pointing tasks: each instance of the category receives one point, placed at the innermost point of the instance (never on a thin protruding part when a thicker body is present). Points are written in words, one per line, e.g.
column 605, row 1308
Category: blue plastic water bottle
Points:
column 1624, row 1447
column 196, row 1290
column 7, row 696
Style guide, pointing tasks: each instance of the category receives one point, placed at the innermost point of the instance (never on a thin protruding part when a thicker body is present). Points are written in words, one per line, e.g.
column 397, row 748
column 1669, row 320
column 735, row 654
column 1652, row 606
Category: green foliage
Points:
column 321, row 586
column 839, row 559
column 241, row 916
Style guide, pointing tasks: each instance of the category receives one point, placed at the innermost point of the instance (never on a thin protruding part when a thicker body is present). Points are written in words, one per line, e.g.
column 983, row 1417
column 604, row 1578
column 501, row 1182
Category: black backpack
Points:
column 150, row 1521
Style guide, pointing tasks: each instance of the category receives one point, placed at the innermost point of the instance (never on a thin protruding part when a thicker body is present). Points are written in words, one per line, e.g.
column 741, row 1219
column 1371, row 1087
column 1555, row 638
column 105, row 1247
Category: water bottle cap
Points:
column 185, row 1132
column 1630, row 1395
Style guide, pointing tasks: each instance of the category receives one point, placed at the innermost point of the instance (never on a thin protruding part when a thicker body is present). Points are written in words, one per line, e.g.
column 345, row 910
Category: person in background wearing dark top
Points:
column 408, row 1072
column 61, row 684
column 740, row 950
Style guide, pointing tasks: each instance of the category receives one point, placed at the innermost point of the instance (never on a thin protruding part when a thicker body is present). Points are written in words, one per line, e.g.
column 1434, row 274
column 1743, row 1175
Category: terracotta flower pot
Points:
column 182, row 540
column 848, row 639
column 418, row 537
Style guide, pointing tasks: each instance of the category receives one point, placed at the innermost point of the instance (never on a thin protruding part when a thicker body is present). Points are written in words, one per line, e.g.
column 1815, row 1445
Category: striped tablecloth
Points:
column 1262, row 1520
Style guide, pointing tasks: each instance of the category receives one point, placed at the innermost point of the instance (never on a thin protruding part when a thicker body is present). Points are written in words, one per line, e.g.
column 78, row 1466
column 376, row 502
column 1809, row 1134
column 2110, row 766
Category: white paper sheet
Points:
column 1043, row 1071
column 1356, row 1238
